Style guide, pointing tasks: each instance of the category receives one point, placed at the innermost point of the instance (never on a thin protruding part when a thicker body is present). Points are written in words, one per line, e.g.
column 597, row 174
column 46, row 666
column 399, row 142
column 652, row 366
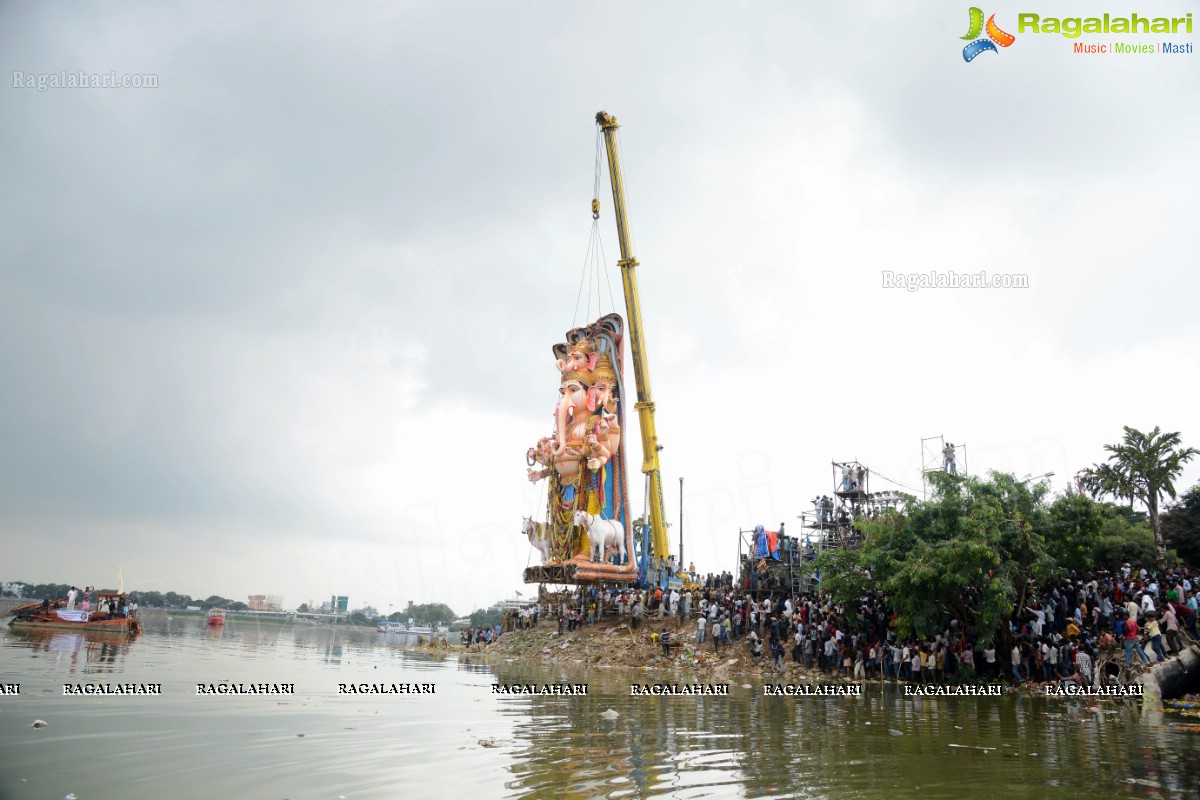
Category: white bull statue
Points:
column 601, row 533
column 538, row 536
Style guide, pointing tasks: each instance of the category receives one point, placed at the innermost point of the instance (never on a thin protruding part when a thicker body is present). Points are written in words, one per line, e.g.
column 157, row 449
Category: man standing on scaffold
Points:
column 948, row 459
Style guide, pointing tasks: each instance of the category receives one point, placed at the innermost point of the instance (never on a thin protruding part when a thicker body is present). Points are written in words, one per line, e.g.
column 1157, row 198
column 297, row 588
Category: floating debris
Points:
column 487, row 742
column 609, row 714
column 1144, row 782
column 40, row 723
column 895, row 732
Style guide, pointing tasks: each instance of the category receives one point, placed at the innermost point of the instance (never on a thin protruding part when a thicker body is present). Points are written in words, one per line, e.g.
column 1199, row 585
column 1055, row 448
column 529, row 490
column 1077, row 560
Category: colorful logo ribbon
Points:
column 995, row 36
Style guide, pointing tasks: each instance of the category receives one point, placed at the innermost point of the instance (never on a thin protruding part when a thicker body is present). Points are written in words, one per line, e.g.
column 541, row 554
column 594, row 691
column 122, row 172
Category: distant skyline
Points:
column 281, row 322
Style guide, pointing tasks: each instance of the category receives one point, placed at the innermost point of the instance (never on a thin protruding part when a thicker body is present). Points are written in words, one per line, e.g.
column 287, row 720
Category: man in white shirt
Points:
column 71, row 595
column 1132, row 609
column 701, row 627
column 1040, row 620
column 1147, row 604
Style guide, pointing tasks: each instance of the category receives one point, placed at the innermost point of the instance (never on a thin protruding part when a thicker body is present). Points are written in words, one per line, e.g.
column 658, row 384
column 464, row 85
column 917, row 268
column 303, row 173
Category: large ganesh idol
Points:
column 583, row 459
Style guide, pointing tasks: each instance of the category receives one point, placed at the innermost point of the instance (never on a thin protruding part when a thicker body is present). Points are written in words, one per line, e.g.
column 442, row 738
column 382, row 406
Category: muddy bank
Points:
column 613, row 644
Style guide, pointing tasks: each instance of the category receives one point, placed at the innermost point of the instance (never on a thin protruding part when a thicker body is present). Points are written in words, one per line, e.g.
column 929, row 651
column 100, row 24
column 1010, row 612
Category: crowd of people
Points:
column 95, row 605
column 1069, row 630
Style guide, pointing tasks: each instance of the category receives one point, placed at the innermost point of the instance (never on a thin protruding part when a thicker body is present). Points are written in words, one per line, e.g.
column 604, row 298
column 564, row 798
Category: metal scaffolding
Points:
column 938, row 455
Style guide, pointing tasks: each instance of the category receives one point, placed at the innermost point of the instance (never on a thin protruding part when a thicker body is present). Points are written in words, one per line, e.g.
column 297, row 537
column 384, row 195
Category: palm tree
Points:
column 1143, row 467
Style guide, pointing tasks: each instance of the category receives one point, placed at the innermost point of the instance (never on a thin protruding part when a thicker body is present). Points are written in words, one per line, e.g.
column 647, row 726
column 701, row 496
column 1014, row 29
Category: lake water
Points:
column 465, row 741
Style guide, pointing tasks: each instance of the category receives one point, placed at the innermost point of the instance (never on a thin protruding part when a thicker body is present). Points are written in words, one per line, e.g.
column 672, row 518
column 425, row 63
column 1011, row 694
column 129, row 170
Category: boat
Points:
column 403, row 627
column 216, row 616
column 55, row 614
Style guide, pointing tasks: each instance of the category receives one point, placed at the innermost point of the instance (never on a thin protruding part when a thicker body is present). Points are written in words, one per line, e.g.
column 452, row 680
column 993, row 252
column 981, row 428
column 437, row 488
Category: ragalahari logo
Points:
column 995, row 36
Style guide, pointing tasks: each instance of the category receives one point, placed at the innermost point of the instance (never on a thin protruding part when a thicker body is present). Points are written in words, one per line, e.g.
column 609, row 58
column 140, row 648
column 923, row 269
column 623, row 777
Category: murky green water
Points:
column 465, row 741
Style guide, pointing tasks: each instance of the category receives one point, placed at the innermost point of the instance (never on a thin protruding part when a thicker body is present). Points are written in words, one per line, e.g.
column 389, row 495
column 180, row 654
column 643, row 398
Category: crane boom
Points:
column 660, row 544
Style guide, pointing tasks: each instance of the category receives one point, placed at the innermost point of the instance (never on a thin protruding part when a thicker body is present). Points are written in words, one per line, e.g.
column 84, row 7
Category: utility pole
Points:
column 681, row 561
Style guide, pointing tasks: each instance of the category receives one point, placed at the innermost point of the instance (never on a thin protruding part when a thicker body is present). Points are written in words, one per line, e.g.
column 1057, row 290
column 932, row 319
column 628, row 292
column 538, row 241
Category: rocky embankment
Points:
column 613, row 644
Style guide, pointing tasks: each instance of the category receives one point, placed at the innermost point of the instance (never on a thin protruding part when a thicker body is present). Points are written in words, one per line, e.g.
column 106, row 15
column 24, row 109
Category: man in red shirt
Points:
column 1130, row 638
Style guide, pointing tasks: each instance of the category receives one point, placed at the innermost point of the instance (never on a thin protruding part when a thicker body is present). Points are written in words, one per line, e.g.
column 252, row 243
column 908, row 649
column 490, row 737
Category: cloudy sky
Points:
column 283, row 323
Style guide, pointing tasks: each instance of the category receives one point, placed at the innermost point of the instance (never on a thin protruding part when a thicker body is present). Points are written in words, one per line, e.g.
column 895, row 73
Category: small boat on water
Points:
column 56, row 615
column 216, row 616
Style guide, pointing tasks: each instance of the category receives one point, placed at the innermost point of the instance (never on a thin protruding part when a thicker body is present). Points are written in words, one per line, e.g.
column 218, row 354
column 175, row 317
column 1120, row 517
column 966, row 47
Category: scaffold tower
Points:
column 938, row 455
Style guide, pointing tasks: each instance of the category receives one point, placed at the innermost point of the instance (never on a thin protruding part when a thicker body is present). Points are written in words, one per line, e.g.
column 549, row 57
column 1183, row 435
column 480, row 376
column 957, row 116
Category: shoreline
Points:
column 612, row 645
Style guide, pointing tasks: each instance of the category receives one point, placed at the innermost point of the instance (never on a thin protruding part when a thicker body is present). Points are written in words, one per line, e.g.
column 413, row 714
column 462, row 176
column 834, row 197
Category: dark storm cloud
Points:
column 187, row 273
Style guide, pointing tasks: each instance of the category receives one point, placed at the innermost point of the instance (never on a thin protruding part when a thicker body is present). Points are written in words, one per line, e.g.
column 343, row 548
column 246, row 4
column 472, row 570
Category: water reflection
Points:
column 84, row 653
column 467, row 740
column 755, row 746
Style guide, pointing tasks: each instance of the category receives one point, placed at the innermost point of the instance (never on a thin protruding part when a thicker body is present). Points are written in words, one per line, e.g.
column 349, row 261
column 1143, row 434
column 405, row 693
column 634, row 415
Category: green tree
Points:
column 53, row 591
column 485, row 617
column 1125, row 538
column 302, row 608
column 1181, row 526
column 969, row 554
column 1074, row 529
column 1142, row 467
column 430, row 614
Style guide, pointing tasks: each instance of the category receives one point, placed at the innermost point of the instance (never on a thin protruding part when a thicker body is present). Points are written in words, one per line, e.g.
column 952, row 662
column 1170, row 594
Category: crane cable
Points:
column 595, row 252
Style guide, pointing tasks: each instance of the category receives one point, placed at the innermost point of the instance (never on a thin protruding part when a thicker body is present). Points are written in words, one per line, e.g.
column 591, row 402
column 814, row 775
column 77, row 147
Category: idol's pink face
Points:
column 600, row 396
column 572, row 395
column 576, row 360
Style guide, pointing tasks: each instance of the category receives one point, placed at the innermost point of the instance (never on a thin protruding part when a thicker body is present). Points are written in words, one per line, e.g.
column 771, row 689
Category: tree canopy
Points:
column 485, row 617
column 1142, row 467
column 430, row 614
column 1181, row 526
column 969, row 554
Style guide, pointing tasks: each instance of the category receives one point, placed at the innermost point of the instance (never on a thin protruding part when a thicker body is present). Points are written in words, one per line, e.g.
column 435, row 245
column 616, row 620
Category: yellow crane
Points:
column 660, row 544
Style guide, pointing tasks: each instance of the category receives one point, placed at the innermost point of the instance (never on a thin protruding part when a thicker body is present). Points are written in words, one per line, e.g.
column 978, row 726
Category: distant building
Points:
column 265, row 602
